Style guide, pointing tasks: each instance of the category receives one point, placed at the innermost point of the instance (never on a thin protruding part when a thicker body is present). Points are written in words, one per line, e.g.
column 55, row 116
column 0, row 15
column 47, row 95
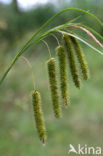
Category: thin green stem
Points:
column 47, row 47
column 56, row 39
column 31, row 68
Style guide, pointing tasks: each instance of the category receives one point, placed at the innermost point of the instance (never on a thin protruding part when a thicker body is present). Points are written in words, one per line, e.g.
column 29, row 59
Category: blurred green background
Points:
column 82, row 122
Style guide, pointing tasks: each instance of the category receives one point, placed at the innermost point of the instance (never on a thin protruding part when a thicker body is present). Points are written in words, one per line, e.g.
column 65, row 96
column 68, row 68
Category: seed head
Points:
column 36, row 100
column 81, row 59
column 53, row 87
column 63, row 75
column 71, row 58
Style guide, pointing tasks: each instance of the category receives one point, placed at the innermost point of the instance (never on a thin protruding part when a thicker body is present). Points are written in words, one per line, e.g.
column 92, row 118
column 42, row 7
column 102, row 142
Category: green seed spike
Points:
column 53, row 86
column 81, row 59
column 71, row 57
column 36, row 100
column 63, row 75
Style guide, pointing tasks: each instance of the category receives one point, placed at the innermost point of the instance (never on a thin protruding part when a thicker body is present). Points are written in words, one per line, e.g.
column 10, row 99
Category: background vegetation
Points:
column 82, row 123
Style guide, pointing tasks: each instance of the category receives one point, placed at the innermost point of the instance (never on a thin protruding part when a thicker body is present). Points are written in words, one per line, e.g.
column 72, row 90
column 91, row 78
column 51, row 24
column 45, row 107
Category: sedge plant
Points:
column 68, row 49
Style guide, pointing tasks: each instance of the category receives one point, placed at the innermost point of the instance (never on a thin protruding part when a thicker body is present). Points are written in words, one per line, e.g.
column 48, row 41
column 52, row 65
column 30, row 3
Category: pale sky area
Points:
column 28, row 3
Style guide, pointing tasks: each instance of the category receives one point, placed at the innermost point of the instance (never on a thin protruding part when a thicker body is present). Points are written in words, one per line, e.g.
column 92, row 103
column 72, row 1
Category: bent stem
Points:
column 56, row 39
column 47, row 47
column 31, row 68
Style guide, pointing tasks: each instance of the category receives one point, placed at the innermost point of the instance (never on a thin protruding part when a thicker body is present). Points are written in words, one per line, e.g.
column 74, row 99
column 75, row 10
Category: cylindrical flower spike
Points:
column 81, row 59
column 63, row 75
column 70, row 52
column 53, row 86
column 36, row 100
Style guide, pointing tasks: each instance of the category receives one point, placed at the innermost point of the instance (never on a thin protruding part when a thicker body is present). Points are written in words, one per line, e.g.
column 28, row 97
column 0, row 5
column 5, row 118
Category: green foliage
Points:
column 53, row 86
column 35, row 39
column 71, row 60
column 38, row 115
column 63, row 74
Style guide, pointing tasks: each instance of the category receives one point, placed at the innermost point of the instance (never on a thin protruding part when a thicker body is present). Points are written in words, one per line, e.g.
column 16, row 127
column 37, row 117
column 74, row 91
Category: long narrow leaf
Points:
column 82, row 40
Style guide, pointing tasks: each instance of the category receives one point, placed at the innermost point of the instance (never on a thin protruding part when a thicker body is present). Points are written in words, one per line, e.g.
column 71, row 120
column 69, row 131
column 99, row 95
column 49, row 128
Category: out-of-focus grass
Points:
column 82, row 123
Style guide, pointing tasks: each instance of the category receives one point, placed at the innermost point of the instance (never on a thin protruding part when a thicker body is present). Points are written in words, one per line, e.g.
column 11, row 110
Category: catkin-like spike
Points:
column 53, row 86
column 63, row 75
column 36, row 100
column 81, row 59
column 70, row 52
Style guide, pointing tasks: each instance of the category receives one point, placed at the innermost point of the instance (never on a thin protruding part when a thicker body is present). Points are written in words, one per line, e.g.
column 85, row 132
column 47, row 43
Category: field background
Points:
column 82, row 122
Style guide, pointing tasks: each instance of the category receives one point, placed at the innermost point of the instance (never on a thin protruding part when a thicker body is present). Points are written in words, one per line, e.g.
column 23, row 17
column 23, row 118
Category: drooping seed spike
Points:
column 70, row 52
column 63, row 75
column 81, row 59
column 53, row 87
column 38, row 114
